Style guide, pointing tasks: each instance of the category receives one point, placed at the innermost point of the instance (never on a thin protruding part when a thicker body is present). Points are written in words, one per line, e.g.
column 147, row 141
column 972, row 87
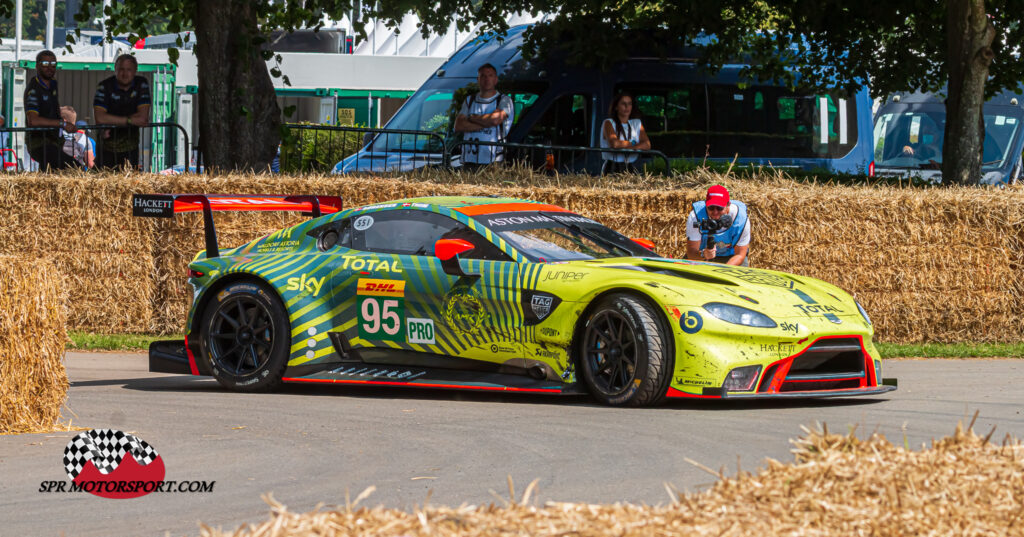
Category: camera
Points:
column 708, row 227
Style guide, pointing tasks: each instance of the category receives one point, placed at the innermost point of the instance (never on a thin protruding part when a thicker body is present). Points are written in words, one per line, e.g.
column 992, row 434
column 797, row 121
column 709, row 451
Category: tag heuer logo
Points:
column 541, row 306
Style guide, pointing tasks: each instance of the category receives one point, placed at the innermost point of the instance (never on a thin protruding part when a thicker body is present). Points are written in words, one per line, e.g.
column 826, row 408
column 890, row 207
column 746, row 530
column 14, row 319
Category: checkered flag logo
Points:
column 106, row 449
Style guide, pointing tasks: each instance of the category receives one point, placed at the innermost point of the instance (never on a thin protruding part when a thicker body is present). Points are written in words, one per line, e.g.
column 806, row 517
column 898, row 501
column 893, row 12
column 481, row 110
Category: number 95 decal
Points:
column 381, row 319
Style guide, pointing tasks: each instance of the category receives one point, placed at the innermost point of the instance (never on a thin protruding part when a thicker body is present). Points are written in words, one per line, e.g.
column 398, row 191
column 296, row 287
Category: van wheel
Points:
column 625, row 352
column 244, row 337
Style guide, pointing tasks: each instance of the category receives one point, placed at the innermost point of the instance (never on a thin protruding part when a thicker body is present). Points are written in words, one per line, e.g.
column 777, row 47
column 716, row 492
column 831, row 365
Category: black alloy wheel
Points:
column 245, row 337
column 241, row 335
column 625, row 351
column 611, row 352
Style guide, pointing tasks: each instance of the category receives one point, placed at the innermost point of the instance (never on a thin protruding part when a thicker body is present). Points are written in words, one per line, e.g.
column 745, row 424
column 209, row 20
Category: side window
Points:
column 674, row 116
column 414, row 232
column 565, row 122
column 405, row 232
column 771, row 121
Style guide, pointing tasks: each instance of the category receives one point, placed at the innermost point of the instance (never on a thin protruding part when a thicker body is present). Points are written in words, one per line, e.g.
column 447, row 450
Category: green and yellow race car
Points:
column 501, row 294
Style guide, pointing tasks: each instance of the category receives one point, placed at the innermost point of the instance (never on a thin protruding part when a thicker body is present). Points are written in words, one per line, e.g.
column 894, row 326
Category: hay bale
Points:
column 33, row 383
column 83, row 225
column 838, row 485
column 929, row 265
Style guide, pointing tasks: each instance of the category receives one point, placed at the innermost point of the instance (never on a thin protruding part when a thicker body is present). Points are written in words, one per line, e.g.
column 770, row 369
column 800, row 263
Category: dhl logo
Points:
column 368, row 287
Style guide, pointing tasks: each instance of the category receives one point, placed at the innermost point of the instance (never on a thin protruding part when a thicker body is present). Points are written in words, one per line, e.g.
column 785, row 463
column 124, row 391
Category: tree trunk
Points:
column 969, row 36
column 239, row 118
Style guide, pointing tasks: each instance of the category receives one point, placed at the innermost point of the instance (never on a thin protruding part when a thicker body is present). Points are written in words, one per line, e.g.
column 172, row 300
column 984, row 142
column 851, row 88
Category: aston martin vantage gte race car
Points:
column 501, row 294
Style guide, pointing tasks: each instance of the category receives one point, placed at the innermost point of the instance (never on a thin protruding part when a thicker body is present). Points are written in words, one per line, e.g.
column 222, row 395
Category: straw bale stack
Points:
column 938, row 264
column 837, row 486
column 77, row 222
column 33, row 383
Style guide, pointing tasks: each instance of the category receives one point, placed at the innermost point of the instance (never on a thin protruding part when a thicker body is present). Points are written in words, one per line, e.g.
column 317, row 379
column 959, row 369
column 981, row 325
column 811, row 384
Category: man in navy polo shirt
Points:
column 43, row 109
column 122, row 100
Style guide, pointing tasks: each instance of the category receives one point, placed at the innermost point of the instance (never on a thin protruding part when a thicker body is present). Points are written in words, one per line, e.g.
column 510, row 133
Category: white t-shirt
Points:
column 75, row 145
column 486, row 154
column 693, row 234
column 631, row 129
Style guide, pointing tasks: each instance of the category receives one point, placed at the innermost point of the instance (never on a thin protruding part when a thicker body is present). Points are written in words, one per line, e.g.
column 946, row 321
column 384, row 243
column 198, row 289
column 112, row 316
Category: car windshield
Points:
column 428, row 110
column 560, row 236
column 912, row 137
column 432, row 109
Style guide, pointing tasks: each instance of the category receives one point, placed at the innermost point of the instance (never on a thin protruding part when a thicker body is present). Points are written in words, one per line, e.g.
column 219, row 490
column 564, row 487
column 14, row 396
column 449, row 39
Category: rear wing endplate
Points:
column 167, row 205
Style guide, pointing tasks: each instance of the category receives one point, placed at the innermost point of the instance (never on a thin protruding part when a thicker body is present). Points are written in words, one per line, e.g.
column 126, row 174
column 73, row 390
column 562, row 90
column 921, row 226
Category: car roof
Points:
column 468, row 205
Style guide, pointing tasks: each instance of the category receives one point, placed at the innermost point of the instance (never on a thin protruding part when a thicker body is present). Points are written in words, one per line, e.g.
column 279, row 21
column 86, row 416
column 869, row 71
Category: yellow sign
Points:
column 346, row 116
column 368, row 287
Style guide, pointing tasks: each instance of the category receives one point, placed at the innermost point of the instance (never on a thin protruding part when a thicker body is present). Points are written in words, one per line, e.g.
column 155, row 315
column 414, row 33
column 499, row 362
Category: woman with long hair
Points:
column 622, row 130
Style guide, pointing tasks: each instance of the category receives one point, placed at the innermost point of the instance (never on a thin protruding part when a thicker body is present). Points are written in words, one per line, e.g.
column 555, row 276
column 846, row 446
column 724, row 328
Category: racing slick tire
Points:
column 625, row 352
column 244, row 337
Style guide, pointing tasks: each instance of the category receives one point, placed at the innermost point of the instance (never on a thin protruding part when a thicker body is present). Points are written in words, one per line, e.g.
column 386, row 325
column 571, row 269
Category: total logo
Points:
column 311, row 285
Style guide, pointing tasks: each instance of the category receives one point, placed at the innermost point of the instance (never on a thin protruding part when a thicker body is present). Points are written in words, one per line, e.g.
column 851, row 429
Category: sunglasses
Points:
column 47, row 63
column 715, row 208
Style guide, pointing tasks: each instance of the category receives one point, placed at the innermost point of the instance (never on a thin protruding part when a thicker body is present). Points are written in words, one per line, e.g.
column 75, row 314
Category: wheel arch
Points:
column 211, row 291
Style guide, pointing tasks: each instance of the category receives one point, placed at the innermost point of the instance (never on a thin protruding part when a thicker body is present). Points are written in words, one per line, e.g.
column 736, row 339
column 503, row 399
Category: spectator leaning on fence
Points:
column 122, row 100
column 43, row 109
column 622, row 130
column 485, row 116
column 723, row 220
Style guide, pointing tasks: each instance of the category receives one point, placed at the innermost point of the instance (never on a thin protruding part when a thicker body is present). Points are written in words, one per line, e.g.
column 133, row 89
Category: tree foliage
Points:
column 970, row 47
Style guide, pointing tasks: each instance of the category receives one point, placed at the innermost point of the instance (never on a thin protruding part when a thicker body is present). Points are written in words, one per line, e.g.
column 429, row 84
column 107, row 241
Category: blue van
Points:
column 687, row 113
column 909, row 130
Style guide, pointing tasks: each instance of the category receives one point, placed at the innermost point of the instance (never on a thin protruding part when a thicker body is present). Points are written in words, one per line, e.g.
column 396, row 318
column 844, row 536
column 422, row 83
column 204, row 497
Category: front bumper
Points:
column 889, row 386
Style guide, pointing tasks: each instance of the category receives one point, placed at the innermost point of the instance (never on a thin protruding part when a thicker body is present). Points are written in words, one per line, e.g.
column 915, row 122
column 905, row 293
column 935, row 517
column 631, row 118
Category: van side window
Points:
column 565, row 122
column 725, row 121
column 771, row 121
column 675, row 117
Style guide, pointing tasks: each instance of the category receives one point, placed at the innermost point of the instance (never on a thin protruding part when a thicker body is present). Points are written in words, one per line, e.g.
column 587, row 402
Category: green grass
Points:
column 951, row 350
column 113, row 342
column 137, row 342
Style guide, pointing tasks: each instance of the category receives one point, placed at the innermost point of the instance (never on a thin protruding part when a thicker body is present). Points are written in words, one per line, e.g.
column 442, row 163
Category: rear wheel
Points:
column 624, row 352
column 244, row 337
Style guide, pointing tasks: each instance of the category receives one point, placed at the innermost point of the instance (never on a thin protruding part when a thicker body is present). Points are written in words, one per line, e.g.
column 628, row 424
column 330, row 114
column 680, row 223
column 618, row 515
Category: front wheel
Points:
column 625, row 353
column 244, row 337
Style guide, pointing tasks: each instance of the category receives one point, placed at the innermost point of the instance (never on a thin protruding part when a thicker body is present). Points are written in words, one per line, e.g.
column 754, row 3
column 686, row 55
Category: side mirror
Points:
column 367, row 138
column 645, row 243
column 448, row 250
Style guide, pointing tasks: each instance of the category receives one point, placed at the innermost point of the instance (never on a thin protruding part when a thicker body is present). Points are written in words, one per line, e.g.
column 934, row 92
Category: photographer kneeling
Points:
column 718, row 230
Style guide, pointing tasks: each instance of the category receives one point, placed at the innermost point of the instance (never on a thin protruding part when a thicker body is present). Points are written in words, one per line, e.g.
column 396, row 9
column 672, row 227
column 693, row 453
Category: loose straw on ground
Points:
column 838, row 485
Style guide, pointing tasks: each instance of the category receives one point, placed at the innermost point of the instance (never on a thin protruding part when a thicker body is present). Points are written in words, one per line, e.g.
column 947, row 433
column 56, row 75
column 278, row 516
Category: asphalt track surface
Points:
column 312, row 444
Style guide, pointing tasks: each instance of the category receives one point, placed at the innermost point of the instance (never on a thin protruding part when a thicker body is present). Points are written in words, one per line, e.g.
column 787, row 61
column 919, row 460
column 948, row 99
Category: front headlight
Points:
column 863, row 313
column 739, row 315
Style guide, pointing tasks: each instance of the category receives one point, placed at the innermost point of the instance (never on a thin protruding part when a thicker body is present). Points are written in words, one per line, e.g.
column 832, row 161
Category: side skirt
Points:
column 428, row 377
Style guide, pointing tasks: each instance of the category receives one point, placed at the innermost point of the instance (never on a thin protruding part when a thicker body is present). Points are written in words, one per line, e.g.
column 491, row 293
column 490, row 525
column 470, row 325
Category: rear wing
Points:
column 167, row 205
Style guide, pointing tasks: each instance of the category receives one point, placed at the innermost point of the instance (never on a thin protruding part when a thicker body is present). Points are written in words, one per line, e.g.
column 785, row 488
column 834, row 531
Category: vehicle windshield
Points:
column 560, row 236
column 912, row 137
column 432, row 110
column 429, row 110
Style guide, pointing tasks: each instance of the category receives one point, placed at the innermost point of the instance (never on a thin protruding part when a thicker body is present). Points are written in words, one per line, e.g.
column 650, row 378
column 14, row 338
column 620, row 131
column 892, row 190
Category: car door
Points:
column 416, row 313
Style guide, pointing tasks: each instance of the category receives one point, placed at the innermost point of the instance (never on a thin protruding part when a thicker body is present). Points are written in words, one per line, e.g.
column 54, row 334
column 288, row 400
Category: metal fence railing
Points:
column 558, row 158
column 309, row 147
column 305, row 148
column 151, row 147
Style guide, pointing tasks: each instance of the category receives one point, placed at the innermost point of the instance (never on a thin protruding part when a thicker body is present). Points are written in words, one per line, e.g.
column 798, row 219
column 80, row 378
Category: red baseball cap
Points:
column 718, row 196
